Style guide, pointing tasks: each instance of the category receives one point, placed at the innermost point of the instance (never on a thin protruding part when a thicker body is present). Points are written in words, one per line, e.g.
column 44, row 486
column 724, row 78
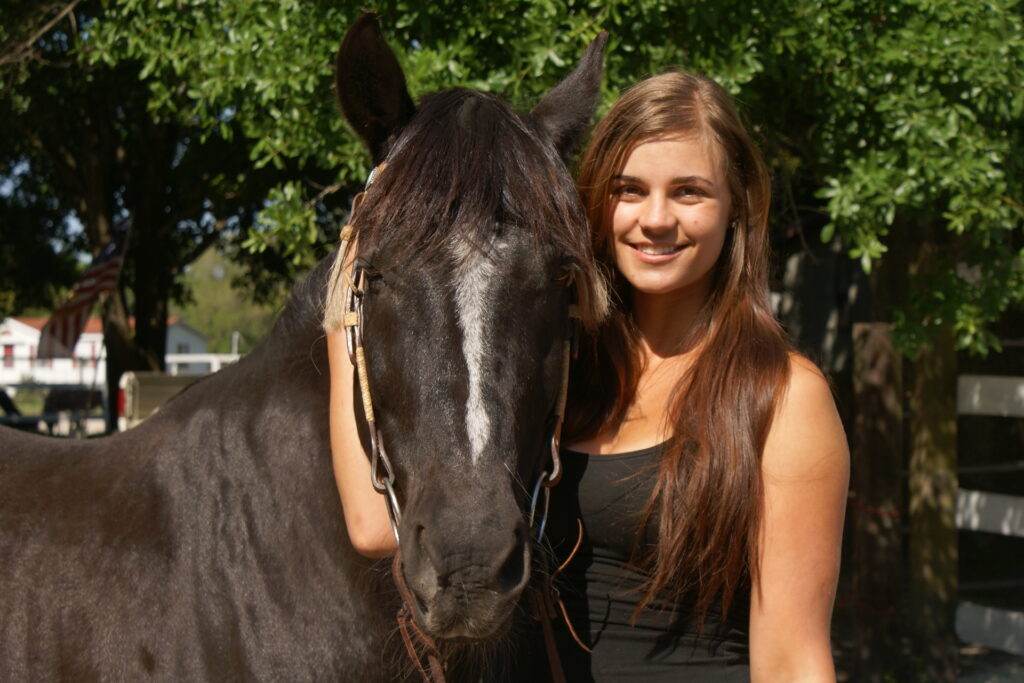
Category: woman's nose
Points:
column 656, row 214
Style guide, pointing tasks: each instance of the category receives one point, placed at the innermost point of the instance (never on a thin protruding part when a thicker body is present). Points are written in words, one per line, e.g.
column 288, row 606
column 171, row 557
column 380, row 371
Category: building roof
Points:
column 94, row 325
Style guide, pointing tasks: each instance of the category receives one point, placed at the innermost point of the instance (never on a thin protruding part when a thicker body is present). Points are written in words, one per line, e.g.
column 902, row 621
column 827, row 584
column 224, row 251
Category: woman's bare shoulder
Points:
column 808, row 388
column 806, row 432
column 803, row 371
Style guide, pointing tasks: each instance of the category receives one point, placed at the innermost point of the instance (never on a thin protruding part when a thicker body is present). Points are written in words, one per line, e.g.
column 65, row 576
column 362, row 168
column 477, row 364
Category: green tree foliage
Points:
column 80, row 139
column 895, row 122
column 218, row 307
column 35, row 236
column 922, row 127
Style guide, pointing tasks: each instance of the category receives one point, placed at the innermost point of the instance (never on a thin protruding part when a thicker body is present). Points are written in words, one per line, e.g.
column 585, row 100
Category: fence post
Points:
column 876, row 502
column 932, row 489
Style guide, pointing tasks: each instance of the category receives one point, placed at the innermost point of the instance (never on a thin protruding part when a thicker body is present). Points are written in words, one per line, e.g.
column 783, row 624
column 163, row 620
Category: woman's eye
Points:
column 627, row 191
column 689, row 191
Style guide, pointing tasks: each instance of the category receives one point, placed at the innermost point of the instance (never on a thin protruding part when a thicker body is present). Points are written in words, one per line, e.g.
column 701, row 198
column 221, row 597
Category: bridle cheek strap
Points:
column 568, row 353
column 546, row 480
column 382, row 475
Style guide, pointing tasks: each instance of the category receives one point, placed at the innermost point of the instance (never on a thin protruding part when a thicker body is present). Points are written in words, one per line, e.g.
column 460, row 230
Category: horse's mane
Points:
column 298, row 324
column 464, row 165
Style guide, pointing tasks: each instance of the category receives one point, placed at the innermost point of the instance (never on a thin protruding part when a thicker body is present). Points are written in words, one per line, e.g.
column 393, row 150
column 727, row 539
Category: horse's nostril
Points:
column 421, row 604
column 511, row 573
column 425, row 575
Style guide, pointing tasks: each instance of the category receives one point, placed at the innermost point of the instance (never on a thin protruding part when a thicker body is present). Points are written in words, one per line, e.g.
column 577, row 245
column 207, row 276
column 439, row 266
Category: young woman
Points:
column 707, row 463
column 706, row 473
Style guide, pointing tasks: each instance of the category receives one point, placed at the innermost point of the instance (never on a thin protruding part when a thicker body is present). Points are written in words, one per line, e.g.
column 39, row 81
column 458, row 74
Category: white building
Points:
column 19, row 340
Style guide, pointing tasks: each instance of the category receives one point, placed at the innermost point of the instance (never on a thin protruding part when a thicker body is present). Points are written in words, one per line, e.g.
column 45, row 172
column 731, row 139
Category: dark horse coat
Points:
column 209, row 544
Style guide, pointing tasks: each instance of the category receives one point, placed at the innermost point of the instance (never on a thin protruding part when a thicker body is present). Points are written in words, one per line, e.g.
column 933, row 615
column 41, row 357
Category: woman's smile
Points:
column 657, row 254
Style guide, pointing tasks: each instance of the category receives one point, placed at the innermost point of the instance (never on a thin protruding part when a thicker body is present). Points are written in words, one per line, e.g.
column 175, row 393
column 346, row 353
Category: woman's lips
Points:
column 656, row 253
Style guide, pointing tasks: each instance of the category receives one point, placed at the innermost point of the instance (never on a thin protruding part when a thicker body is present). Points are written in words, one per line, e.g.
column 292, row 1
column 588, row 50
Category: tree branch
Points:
column 204, row 243
column 330, row 189
column 18, row 54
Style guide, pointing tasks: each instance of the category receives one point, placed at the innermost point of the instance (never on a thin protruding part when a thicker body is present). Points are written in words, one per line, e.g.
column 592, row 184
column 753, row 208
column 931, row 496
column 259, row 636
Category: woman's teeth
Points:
column 657, row 251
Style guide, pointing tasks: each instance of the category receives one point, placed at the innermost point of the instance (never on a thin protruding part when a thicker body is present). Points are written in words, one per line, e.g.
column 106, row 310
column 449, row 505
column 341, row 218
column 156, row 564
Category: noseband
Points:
column 382, row 474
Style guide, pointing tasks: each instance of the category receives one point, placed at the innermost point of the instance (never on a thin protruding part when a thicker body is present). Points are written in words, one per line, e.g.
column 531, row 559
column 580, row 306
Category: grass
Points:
column 30, row 400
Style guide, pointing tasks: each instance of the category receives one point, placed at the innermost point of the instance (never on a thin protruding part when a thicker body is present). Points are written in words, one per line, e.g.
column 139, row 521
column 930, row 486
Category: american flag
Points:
column 62, row 330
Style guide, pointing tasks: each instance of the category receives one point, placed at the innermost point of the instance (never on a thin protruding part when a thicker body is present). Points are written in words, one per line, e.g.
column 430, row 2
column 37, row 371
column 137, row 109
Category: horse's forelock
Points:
column 465, row 164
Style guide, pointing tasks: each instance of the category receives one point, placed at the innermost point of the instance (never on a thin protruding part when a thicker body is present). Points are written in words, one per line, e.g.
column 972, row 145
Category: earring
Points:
column 733, row 224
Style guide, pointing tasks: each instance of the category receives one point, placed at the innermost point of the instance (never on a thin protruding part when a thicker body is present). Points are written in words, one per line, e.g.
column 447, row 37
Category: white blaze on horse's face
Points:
column 475, row 307
column 466, row 238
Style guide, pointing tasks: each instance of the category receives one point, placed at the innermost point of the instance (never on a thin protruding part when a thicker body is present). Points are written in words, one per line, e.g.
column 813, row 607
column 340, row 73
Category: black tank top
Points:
column 607, row 493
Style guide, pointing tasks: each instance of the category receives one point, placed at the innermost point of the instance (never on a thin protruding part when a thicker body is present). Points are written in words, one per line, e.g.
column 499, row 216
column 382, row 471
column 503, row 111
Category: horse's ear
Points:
column 371, row 86
column 565, row 111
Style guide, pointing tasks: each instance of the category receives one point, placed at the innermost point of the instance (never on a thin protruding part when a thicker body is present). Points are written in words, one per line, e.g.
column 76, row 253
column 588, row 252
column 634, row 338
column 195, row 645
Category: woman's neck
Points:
column 667, row 322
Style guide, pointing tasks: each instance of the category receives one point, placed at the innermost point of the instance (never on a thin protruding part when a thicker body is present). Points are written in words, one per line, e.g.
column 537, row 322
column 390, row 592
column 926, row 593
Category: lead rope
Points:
column 554, row 590
column 410, row 632
column 544, row 601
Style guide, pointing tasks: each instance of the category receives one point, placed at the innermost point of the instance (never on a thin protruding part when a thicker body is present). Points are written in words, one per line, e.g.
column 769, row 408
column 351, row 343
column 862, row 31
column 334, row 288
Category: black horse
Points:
column 208, row 543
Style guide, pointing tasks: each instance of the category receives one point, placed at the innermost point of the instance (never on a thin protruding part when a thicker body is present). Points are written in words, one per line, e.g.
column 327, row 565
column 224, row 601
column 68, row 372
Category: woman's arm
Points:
column 805, row 466
column 366, row 515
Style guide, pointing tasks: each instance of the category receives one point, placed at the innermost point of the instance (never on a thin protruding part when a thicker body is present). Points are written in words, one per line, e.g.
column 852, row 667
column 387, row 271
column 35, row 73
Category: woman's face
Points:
column 671, row 208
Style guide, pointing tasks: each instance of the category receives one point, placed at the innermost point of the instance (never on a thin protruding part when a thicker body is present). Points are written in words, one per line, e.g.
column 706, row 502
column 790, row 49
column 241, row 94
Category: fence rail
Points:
column 198, row 363
column 995, row 513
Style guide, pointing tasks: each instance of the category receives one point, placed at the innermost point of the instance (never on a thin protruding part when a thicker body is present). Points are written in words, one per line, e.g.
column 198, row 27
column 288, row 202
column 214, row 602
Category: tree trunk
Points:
column 154, row 238
column 877, row 502
column 933, row 490
column 151, row 287
column 122, row 352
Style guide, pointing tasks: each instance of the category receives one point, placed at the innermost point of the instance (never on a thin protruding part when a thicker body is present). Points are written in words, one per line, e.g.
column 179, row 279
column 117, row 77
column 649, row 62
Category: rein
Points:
column 382, row 474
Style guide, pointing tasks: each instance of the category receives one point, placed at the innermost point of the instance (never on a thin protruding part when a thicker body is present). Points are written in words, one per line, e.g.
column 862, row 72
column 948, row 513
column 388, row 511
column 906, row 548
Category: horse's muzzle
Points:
column 465, row 585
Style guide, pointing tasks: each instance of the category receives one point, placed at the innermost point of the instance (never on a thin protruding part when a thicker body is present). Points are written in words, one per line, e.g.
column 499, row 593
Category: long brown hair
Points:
column 707, row 499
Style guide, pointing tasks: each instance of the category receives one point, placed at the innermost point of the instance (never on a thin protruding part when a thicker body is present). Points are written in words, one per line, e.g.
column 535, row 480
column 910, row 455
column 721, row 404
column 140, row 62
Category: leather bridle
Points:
column 382, row 473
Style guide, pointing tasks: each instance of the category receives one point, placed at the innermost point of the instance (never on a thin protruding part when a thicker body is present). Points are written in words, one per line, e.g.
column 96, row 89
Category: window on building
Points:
column 182, row 347
column 8, row 355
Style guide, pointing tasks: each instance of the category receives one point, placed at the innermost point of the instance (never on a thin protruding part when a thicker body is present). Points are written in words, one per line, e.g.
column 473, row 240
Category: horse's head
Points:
column 471, row 244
